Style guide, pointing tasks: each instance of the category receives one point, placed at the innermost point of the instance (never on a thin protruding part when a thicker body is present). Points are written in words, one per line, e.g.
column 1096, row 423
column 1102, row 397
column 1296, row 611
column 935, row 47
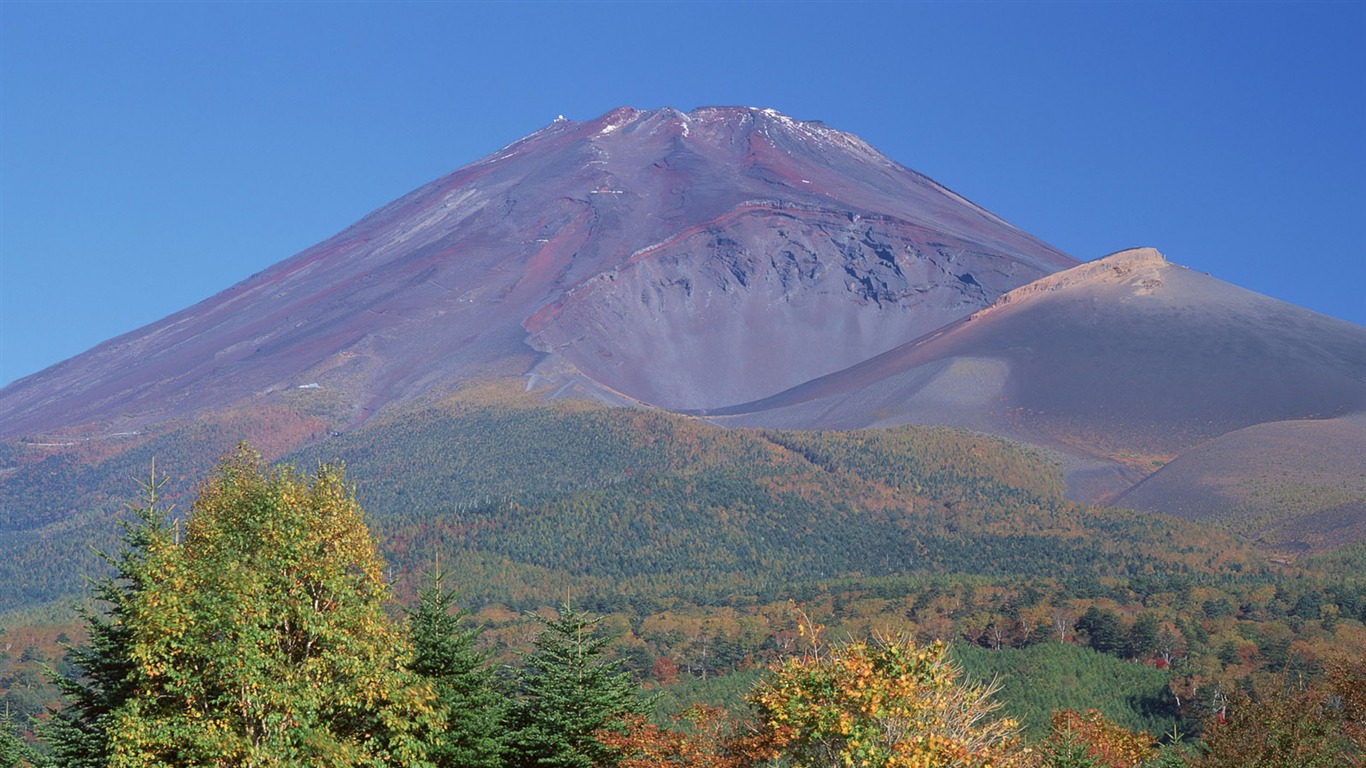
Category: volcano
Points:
column 753, row 270
column 638, row 254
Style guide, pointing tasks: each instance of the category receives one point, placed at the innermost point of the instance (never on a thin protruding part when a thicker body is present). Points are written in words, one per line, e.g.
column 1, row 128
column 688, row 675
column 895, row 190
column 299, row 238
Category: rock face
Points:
column 691, row 260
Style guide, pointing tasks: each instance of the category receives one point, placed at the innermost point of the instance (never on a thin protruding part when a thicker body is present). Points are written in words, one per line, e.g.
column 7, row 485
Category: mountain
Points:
column 1120, row 365
column 637, row 253
column 749, row 269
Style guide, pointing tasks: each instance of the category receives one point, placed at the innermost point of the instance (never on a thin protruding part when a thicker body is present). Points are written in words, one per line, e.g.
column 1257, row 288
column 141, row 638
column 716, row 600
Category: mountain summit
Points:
column 682, row 260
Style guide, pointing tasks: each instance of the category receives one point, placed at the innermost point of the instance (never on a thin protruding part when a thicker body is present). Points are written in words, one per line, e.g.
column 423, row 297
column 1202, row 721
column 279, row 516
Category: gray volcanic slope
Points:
column 1293, row 485
column 1120, row 364
column 683, row 260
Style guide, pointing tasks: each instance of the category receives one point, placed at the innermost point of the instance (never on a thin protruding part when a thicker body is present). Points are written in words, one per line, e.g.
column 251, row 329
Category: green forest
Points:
column 565, row 584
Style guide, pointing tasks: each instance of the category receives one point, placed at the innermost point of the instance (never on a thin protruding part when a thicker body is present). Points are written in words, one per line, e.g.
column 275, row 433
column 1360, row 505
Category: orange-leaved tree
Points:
column 701, row 737
column 1285, row 724
column 1094, row 738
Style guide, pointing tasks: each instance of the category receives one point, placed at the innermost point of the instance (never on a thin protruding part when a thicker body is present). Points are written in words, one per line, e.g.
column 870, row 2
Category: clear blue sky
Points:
column 154, row 154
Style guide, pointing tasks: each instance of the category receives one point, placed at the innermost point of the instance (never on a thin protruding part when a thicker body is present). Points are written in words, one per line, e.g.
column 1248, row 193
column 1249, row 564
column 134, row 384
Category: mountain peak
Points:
column 636, row 254
column 1140, row 266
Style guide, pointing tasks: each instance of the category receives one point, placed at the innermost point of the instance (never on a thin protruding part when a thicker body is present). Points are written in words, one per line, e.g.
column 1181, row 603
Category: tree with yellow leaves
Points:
column 260, row 637
column 882, row 704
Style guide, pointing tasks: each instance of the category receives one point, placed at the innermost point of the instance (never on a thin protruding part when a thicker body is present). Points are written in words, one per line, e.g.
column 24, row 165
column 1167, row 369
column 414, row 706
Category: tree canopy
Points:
column 261, row 639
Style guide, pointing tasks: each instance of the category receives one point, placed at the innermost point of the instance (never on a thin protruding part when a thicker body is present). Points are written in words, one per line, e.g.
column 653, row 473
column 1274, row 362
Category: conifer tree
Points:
column 459, row 672
column 1104, row 629
column 14, row 752
column 261, row 638
column 569, row 691
column 78, row 734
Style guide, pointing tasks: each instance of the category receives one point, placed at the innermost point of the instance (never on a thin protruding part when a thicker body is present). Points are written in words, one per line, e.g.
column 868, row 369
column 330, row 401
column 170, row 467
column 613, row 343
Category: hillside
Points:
column 1293, row 487
column 699, row 543
column 621, row 502
column 531, row 497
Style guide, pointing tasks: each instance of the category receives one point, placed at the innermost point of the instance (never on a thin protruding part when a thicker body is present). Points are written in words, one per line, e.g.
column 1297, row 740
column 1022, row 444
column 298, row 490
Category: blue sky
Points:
column 154, row 154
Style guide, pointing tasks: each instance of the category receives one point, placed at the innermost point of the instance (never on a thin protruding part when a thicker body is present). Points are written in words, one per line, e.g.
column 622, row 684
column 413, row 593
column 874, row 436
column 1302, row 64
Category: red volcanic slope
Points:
column 685, row 260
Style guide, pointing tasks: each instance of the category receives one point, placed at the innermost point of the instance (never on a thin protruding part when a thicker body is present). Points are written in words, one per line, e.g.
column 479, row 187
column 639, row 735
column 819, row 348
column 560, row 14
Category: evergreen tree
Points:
column 568, row 692
column 1143, row 636
column 78, row 734
column 466, row 688
column 1104, row 629
column 261, row 638
column 14, row 752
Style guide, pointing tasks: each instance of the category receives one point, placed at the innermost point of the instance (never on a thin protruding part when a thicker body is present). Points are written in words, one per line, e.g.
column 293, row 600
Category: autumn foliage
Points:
column 261, row 638
column 1284, row 724
column 884, row 704
column 1104, row 744
column 702, row 737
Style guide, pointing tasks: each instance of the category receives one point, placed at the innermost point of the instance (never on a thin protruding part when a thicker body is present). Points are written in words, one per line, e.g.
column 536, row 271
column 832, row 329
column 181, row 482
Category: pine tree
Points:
column 261, row 638
column 465, row 685
column 569, row 691
column 1143, row 636
column 78, row 734
column 14, row 752
column 1104, row 629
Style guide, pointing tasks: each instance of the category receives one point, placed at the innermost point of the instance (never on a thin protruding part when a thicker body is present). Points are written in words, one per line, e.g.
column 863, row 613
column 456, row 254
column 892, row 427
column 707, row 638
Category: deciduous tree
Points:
column 1282, row 725
column 702, row 737
column 1091, row 739
column 261, row 638
column 885, row 704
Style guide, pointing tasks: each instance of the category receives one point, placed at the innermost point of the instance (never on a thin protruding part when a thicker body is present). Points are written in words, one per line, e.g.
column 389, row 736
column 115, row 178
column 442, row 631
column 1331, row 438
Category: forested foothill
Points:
column 569, row 585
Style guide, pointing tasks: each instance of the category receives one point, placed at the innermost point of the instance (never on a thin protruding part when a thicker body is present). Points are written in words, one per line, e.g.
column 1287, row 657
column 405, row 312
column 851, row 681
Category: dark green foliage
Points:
column 1040, row 679
column 727, row 691
column 28, row 686
column 568, row 690
column 1143, row 637
column 1103, row 629
column 1218, row 609
column 447, row 657
column 79, row 734
column 1308, row 605
column 14, row 751
column 1067, row 753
